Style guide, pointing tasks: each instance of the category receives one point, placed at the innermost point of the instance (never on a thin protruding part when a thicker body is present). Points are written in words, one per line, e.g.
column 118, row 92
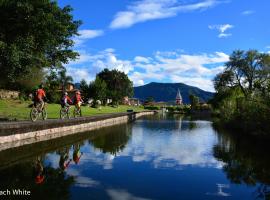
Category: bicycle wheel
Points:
column 44, row 114
column 34, row 114
column 77, row 112
column 64, row 113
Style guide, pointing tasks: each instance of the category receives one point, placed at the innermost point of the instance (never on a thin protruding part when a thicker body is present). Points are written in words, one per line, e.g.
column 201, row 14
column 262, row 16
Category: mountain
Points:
column 167, row 92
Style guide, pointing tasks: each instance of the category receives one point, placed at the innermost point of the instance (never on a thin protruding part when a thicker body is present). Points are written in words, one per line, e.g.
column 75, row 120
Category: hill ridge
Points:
column 167, row 92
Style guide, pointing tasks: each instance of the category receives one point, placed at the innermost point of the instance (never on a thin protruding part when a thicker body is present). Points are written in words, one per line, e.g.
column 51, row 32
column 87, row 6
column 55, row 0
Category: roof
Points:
column 178, row 95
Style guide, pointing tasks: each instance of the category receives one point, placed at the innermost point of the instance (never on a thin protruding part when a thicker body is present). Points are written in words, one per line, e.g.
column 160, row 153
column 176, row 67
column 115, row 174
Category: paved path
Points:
column 8, row 128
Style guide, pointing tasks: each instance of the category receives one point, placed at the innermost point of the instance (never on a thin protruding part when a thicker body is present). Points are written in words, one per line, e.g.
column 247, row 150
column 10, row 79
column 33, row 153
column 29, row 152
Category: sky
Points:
column 167, row 41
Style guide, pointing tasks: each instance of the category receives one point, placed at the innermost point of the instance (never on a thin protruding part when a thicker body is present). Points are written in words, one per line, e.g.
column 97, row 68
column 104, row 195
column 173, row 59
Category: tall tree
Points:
column 118, row 84
column 194, row 101
column 98, row 89
column 84, row 88
column 247, row 70
column 34, row 35
column 64, row 79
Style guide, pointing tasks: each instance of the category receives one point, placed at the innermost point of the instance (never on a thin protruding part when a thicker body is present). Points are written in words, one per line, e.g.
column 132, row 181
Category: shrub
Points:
column 151, row 107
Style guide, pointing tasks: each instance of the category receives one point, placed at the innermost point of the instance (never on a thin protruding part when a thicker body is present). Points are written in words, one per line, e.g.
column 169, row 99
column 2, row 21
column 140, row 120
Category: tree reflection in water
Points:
column 113, row 140
column 246, row 161
column 56, row 184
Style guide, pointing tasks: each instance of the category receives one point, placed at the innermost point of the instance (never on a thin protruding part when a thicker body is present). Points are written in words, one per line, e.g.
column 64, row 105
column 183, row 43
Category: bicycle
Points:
column 64, row 112
column 36, row 111
column 77, row 112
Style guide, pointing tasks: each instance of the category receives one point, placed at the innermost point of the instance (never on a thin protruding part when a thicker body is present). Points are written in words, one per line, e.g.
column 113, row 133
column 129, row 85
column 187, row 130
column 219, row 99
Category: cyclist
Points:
column 39, row 172
column 65, row 100
column 78, row 99
column 40, row 96
column 64, row 161
column 77, row 154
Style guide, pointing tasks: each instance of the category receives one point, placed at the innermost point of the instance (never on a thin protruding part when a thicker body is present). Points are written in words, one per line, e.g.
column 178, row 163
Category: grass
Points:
column 19, row 110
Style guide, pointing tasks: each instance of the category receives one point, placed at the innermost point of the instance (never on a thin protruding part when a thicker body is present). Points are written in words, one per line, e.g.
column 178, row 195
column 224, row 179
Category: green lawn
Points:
column 16, row 109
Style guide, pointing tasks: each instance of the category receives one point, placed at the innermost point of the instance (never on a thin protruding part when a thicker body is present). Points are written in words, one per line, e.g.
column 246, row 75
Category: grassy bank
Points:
column 18, row 110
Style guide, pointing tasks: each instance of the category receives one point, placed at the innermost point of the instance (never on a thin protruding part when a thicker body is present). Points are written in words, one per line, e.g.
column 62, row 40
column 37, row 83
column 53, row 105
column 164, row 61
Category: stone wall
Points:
column 8, row 94
column 20, row 139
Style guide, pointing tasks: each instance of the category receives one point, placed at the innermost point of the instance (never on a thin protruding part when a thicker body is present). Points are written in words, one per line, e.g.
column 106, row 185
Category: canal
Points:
column 155, row 157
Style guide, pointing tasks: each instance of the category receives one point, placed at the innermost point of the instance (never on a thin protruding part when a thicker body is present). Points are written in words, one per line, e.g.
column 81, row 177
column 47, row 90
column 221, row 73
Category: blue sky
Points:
column 184, row 41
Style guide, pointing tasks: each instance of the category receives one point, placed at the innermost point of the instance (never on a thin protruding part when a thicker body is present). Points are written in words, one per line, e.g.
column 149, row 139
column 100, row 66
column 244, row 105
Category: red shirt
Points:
column 78, row 98
column 67, row 100
column 40, row 94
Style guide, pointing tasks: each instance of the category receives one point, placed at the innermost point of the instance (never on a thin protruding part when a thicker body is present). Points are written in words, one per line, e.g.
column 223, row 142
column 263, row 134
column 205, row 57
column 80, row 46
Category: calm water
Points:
column 156, row 157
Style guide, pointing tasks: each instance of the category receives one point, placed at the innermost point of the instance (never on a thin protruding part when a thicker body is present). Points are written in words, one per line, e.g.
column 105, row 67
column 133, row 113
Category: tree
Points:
column 247, row 70
column 84, row 88
column 118, row 84
column 34, row 35
column 194, row 101
column 98, row 89
column 64, row 79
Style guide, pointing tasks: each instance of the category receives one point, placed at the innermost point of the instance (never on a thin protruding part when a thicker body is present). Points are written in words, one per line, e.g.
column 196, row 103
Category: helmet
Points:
column 65, row 93
column 41, row 86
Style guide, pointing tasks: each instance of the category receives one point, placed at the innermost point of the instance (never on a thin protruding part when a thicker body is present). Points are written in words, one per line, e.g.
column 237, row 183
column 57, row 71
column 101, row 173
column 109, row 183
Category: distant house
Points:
column 178, row 99
column 70, row 87
column 130, row 101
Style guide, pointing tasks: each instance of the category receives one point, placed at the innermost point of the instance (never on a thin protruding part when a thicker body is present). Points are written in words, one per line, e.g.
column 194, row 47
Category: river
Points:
column 155, row 157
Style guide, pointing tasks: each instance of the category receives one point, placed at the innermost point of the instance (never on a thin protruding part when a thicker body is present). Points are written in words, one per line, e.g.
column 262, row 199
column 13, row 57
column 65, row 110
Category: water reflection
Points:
column 157, row 157
column 168, row 145
column 246, row 161
column 33, row 175
column 112, row 143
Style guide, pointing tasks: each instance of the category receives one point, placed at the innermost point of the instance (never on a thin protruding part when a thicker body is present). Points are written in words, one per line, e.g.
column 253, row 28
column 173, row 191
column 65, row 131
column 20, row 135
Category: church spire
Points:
column 178, row 99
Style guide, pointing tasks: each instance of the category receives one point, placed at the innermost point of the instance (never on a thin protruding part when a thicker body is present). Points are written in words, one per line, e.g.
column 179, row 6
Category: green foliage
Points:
column 63, row 78
column 248, row 71
column 151, row 107
column 194, row 101
column 242, row 98
column 98, row 90
column 34, row 35
column 180, row 108
column 118, row 84
column 84, row 88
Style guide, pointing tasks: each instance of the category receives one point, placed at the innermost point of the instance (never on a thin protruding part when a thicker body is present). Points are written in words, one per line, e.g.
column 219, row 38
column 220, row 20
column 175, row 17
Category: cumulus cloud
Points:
column 196, row 70
column 222, row 28
column 141, row 59
column 85, row 35
column 193, row 69
column 89, row 64
column 145, row 10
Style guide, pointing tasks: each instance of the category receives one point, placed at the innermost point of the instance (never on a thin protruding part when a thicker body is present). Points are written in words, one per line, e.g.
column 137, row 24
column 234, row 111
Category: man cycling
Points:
column 66, row 101
column 78, row 99
column 40, row 97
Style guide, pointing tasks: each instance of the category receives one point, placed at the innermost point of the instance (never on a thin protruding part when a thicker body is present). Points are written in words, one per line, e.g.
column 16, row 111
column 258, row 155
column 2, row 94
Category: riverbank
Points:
column 11, row 110
column 13, row 134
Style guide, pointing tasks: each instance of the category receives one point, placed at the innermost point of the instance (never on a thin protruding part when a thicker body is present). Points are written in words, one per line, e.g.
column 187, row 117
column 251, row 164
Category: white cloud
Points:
column 172, row 152
column 85, row 35
column 118, row 194
column 193, row 69
column 141, row 59
column 248, row 12
column 222, row 28
column 224, row 35
column 145, row 10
